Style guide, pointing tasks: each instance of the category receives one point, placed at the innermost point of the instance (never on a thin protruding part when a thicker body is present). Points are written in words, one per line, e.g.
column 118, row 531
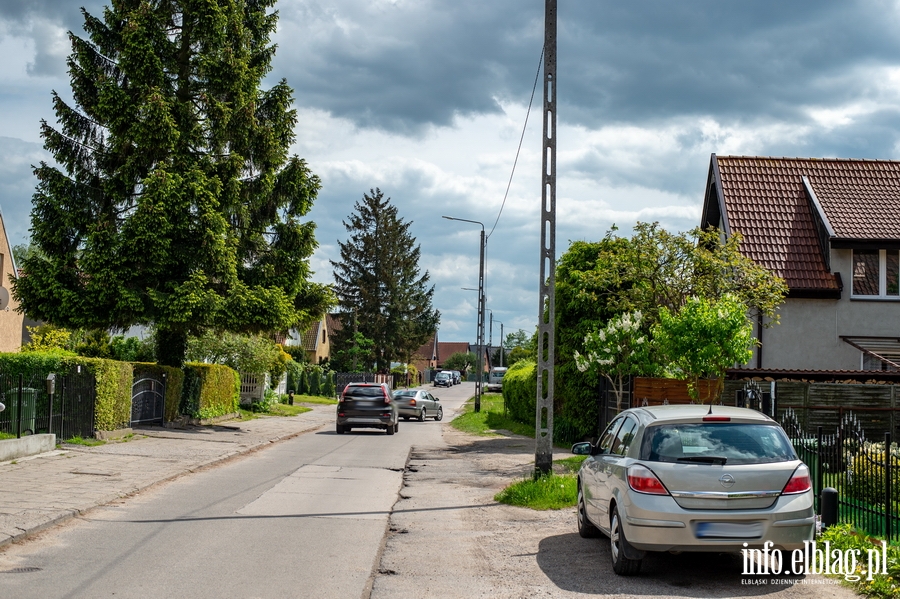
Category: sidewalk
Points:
column 42, row 490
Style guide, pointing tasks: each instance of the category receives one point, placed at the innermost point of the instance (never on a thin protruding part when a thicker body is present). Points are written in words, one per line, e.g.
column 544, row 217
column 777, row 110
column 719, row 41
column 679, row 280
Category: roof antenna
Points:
column 710, row 407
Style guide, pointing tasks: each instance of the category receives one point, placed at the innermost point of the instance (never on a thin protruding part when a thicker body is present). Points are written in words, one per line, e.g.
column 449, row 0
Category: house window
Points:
column 876, row 273
column 870, row 362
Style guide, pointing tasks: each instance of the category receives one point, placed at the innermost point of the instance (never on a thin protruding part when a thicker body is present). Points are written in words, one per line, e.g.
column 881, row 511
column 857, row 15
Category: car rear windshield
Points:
column 736, row 443
column 364, row 392
column 404, row 393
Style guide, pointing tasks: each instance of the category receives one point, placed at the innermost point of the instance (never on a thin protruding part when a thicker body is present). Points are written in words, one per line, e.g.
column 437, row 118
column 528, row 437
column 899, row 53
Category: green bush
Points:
column 865, row 474
column 328, row 387
column 294, row 370
column 315, row 380
column 112, row 406
column 209, row 390
column 303, row 383
column 519, row 390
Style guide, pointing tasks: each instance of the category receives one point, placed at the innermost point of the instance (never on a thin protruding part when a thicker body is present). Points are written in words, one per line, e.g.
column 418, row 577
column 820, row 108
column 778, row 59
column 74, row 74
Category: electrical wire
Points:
column 521, row 139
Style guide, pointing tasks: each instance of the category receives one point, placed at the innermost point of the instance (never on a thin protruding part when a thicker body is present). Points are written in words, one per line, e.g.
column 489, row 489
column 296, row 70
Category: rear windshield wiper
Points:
column 705, row 459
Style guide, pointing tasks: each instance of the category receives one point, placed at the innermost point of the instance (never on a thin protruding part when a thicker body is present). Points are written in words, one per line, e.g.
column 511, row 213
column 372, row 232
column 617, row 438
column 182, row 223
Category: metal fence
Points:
column 864, row 472
column 61, row 403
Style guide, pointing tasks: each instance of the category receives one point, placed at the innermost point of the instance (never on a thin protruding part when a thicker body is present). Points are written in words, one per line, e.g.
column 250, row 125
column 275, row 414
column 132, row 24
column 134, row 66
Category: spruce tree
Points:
column 173, row 201
column 381, row 293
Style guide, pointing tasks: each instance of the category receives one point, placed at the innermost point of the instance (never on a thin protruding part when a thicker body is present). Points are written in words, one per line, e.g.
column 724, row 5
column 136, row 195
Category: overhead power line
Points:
column 521, row 139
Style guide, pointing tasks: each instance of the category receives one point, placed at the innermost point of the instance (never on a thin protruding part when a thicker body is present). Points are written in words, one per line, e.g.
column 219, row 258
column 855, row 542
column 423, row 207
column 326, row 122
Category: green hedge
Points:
column 174, row 378
column 209, row 390
column 112, row 407
column 519, row 390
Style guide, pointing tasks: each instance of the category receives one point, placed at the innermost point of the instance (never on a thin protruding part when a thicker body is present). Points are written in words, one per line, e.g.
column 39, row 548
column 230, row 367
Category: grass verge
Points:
column 317, row 399
column 882, row 586
column 76, row 440
column 551, row 492
column 491, row 419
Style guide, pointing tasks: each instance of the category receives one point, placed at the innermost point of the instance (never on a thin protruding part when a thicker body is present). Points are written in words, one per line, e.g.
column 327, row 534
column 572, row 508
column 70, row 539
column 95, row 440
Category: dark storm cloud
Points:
column 407, row 65
column 401, row 67
column 65, row 13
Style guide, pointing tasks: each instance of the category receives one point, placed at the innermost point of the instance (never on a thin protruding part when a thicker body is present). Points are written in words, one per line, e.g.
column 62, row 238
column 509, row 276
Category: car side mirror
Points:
column 583, row 448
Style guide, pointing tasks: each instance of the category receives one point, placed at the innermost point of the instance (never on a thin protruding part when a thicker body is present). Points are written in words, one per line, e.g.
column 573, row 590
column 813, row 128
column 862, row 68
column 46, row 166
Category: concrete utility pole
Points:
column 543, row 449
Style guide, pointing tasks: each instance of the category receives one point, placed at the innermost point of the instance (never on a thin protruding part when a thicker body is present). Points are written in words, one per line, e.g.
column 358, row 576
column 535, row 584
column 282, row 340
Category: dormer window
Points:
column 876, row 274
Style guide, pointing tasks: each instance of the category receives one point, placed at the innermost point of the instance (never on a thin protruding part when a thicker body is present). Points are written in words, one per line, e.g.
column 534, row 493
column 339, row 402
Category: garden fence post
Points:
column 889, row 479
column 820, row 481
column 19, row 411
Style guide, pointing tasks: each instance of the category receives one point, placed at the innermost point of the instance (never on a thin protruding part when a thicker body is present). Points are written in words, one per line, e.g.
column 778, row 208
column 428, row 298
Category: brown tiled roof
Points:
column 766, row 201
column 333, row 323
column 310, row 340
column 448, row 348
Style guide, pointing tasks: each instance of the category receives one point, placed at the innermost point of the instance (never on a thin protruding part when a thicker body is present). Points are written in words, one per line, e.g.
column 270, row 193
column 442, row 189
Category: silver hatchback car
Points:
column 693, row 478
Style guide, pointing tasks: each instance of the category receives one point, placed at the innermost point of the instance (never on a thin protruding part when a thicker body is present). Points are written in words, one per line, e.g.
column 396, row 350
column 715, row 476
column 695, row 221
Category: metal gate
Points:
column 49, row 402
column 148, row 400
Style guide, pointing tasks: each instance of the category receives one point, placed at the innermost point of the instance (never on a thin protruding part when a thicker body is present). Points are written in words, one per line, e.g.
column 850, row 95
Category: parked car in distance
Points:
column 457, row 377
column 366, row 405
column 443, row 379
column 693, row 478
column 495, row 378
column 418, row 403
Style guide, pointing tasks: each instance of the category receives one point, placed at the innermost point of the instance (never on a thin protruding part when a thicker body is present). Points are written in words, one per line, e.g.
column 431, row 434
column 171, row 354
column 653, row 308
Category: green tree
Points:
column 175, row 203
column 461, row 361
column 247, row 354
column 378, row 284
column 646, row 272
column 353, row 355
column 704, row 338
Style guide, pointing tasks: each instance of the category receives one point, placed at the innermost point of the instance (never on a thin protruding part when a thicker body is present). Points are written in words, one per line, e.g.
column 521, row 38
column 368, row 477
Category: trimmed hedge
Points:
column 113, row 381
column 520, row 390
column 174, row 378
column 209, row 390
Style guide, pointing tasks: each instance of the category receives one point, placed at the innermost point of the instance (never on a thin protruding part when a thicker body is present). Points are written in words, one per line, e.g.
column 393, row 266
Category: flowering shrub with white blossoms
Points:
column 618, row 351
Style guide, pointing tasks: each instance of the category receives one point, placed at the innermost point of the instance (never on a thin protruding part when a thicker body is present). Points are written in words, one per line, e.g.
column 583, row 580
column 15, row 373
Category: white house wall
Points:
column 809, row 335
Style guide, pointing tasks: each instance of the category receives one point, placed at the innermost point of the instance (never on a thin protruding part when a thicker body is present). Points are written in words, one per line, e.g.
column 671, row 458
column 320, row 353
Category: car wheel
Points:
column 339, row 429
column 440, row 414
column 397, row 427
column 622, row 565
column 422, row 415
column 391, row 429
column 586, row 529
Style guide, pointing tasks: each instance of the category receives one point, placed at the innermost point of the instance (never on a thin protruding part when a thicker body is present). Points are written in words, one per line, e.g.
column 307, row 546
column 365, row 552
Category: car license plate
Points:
column 729, row 530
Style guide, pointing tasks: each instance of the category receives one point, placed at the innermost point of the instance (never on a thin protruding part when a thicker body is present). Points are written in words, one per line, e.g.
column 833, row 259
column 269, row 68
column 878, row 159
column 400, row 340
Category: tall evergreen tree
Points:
column 174, row 202
column 378, row 284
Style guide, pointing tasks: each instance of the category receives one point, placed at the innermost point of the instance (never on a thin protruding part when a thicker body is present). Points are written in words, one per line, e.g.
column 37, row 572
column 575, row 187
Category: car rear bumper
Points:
column 365, row 422
column 408, row 411
column 658, row 524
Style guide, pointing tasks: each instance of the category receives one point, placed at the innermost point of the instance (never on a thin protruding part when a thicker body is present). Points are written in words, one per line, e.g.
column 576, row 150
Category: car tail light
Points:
column 642, row 480
column 799, row 482
column 717, row 419
column 387, row 398
column 412, row 402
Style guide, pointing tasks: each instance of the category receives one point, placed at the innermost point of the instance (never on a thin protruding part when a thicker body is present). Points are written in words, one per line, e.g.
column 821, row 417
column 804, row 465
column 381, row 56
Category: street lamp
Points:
column 478, row 380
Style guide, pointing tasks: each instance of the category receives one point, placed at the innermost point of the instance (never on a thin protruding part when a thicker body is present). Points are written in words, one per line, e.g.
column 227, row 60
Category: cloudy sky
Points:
column 426, row 99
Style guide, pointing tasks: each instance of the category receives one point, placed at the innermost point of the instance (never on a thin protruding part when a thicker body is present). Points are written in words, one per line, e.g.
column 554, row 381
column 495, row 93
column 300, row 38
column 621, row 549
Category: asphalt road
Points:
column 304, row 518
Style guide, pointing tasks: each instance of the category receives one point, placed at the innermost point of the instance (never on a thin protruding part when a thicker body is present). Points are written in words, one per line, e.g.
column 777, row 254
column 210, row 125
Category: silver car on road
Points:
column 693, row 478
column 418, row 403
